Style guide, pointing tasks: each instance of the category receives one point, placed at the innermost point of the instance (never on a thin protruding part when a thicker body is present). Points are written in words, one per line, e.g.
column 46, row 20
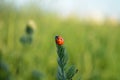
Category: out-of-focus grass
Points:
column 93, row 48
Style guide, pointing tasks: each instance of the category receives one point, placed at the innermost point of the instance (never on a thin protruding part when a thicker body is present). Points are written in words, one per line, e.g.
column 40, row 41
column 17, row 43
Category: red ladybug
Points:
column 59, row 40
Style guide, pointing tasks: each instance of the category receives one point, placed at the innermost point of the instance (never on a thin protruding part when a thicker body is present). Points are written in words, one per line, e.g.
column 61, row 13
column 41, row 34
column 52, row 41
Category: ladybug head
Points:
column 56, row 37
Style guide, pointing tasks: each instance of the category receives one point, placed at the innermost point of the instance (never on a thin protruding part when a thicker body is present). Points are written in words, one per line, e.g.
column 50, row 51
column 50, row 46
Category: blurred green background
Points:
column 93, row 47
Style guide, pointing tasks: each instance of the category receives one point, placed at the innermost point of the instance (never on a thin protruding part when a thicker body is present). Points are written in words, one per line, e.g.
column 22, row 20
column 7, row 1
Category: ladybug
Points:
column 59, row 40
